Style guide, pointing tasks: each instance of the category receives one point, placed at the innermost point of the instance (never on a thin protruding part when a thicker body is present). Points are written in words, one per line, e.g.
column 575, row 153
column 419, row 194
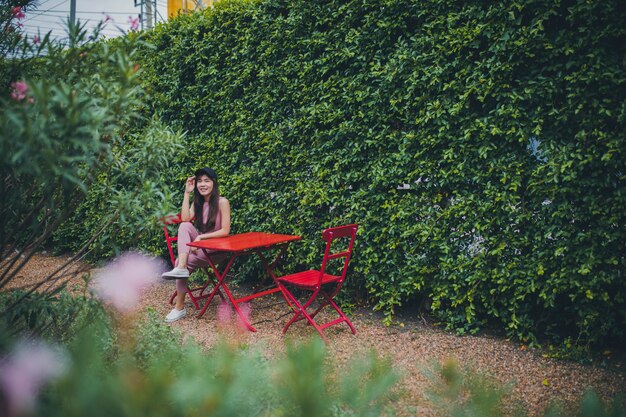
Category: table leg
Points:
column 268, row 268
column 220, row 283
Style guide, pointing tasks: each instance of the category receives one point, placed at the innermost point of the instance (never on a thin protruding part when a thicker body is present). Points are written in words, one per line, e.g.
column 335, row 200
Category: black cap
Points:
column 208, row 172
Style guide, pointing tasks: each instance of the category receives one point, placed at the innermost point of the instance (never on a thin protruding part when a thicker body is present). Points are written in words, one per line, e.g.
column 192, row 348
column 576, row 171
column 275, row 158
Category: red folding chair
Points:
column 195, row 298
column 324, row 286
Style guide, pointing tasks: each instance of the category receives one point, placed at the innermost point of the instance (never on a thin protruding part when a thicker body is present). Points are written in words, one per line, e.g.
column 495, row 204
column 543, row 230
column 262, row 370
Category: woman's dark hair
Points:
column 214, row 202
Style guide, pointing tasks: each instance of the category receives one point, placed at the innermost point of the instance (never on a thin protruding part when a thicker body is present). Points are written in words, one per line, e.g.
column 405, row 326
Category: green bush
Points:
column 130, row 195
column 479, row 145
column 55, row 316
column 82, row 169
column 183, row 380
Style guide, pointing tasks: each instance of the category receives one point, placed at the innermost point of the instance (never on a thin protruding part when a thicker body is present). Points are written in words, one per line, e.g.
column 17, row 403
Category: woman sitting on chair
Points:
column 212, row 213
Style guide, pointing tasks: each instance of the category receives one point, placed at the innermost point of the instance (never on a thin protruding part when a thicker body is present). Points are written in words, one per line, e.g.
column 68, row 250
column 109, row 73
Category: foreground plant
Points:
column 69, row 119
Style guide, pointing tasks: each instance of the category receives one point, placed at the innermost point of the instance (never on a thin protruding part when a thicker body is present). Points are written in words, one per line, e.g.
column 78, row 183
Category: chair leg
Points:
column 338, row 310
column 193, row 298
column 329, row 302
column 301, row 310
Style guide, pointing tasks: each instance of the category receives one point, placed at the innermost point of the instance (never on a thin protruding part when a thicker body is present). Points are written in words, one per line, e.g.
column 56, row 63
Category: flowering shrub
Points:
column 19, row 89
column 69, row 121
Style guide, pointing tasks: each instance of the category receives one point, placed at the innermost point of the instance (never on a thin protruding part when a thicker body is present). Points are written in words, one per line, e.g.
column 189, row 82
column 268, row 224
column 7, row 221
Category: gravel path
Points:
column 537, row 380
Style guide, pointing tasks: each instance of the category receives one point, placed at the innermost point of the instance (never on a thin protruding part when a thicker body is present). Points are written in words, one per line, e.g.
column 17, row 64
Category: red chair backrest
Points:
column 333, row 233
column 169, row 220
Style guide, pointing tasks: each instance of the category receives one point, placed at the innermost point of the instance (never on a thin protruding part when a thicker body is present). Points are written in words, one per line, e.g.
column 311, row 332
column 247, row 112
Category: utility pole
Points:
column 148, row 13
column 73, row 12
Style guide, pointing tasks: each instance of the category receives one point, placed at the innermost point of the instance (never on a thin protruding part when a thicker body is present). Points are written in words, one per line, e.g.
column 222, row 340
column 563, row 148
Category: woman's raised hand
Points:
column 190, row 184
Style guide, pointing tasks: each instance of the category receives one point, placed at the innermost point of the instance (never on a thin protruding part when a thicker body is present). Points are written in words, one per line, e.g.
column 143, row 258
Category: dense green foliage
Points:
column 479, row 145
column 71, row 135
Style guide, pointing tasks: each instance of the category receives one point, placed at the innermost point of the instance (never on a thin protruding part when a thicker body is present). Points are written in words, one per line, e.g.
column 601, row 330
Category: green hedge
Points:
column 480, row 146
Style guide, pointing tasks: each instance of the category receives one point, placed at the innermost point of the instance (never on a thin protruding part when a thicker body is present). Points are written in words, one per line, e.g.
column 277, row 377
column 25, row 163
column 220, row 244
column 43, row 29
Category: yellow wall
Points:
column 174, row 6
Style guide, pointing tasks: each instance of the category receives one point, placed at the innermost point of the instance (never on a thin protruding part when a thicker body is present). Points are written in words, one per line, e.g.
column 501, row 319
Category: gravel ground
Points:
column 537, row 380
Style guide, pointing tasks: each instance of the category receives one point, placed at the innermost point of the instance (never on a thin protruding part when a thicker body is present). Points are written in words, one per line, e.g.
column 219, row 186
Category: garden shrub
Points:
column 56, row 316
column 66, row 139
column 479, row 145
column 182, row 379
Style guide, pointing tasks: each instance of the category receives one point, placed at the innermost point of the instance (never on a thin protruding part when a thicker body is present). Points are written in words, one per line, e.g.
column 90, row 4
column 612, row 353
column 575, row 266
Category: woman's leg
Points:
column 186, row 234
column 181, row 292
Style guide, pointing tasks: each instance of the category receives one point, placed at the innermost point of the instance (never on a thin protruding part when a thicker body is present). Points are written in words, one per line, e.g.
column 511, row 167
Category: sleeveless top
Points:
column 218, row 218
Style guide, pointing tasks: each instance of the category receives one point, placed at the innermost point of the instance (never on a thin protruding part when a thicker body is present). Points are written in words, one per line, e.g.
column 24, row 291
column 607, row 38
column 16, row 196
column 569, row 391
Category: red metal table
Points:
column 235, row 246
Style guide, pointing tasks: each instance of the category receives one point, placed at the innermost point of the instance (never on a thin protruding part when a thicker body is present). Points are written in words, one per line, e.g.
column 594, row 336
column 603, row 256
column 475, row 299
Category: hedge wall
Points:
column 480, row 146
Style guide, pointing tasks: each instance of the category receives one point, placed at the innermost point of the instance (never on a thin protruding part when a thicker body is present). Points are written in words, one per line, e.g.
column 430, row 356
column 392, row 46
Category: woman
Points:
column 212, row 219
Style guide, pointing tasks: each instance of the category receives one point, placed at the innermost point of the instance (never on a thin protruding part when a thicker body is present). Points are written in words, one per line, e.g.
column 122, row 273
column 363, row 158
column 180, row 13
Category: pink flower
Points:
column 134, row 22
column 224, row 314
column 122, row 282
column 30, row 365
column 18, row 92
column 245, row 309
column 36, row 40
column 107, row 18
column 17, row 12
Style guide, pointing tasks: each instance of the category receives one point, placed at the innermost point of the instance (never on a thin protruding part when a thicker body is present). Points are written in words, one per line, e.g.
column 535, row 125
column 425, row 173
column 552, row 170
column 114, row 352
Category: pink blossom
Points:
column 134, row 22
column 19, row 89
column 36, row 40
column 107, row 18
column 246, row 310
column 20, row 25
column 224, row 314
column 30, row 365
column 122, row 282
column 17, row 12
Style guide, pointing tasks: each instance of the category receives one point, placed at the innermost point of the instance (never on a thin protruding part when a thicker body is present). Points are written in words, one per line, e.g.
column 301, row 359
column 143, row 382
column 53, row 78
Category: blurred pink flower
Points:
column 134, row 22
column 122, row 282
column 246, row 310
column 107, row 18
column 224, row 314
column 17, row 12
column 30, row 365
column 36, row 40
column 19, row 89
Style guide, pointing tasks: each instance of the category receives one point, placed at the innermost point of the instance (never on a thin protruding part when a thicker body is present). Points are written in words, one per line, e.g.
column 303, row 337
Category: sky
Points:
column 51, row 15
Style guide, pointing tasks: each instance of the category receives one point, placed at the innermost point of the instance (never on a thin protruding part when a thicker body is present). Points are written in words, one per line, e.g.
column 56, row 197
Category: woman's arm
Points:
column 187, row 212
column 225, row 230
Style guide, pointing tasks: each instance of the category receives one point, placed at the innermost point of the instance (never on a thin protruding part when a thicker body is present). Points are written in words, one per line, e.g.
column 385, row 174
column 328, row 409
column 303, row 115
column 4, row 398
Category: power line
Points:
column 91, row 12
column 40, row 5
column 45, row 11
column 40, row 19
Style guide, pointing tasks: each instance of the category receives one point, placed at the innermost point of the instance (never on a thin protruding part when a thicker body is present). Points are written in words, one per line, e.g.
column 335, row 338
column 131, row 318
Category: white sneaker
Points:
column 175, row 315
column 176, row 273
